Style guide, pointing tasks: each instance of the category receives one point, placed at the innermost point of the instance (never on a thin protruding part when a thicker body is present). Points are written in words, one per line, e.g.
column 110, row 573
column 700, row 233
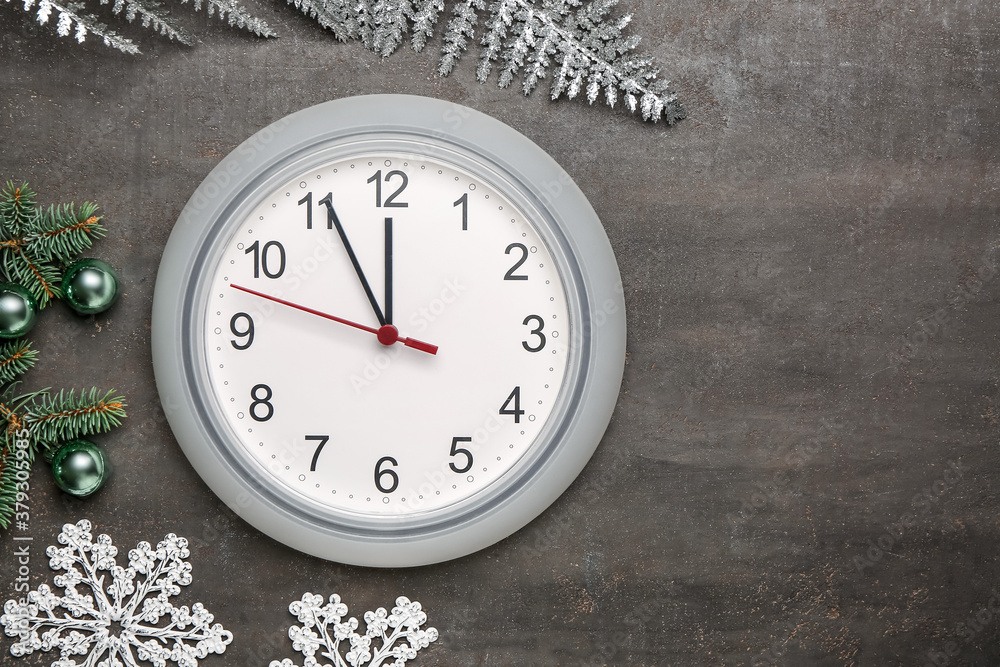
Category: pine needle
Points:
column 16, row 358
column 42, row 280
column 64, row 232
column 65, row 416
column 8, row 486
column 17, row 205
column 35, row 244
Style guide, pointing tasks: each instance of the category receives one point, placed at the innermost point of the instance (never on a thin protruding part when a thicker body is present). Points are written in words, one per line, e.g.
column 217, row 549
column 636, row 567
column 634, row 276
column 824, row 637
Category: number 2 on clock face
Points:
column 386, row 334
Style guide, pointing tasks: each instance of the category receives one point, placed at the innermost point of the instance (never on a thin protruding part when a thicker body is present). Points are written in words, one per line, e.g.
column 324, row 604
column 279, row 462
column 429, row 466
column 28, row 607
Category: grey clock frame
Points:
column 492, row 151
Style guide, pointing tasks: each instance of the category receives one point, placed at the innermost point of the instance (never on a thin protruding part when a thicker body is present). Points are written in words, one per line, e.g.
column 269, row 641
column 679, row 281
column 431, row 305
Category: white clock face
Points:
column 404, row 379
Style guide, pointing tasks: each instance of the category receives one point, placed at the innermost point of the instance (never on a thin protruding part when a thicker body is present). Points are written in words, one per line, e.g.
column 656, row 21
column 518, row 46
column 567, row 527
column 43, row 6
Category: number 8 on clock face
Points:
column 389, row 341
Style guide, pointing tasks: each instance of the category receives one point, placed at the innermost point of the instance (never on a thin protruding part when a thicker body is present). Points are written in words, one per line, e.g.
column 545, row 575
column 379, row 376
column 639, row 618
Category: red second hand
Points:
column 387, row 334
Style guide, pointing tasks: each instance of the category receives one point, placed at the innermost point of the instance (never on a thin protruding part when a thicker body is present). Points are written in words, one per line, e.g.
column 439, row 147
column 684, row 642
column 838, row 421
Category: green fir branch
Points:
column 41, row 279
column 53, row 418
column 64, row 232
column 8, row 486
column 12, row 409
column 16, row 358
column 34, row 246
column 17, row 207
column 10, row 462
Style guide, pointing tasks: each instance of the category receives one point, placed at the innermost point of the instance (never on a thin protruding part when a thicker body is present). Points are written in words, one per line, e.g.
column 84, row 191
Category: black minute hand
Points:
column 332, row 217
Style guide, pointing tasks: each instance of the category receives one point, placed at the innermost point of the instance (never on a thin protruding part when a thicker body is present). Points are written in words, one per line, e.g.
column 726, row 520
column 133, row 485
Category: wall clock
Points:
column 388, row 330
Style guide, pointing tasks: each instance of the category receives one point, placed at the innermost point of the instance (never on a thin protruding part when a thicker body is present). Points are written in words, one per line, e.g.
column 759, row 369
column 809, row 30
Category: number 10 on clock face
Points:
column 387, row 334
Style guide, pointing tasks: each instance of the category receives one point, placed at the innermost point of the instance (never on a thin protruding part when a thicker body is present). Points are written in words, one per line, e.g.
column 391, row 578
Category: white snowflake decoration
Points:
column 115, row 625
column 323, row 627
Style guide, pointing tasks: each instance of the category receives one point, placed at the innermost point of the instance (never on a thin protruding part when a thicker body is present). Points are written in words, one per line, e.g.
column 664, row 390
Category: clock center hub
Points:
column 388, row 334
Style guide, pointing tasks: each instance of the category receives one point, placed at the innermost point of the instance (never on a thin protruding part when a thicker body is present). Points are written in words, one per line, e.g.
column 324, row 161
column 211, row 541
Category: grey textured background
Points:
column 810, row 263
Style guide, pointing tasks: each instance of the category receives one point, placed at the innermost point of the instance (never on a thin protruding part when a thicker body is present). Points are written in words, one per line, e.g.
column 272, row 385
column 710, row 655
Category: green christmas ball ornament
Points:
column 90, row 286
column 18, row 309
column 80, row 468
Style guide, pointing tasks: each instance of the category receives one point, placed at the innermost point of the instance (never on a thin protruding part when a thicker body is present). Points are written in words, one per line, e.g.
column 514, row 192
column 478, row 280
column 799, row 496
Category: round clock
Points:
column 388, row 330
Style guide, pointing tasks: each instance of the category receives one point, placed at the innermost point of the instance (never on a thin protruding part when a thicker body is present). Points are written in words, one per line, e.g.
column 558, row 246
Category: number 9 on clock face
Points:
column 386, row 345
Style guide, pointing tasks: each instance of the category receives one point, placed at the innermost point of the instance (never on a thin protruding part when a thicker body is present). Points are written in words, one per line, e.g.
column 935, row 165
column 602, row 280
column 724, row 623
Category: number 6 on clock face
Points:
column 453, row 332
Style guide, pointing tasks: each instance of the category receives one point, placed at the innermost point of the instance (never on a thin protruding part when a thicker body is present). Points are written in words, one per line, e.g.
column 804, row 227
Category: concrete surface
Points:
column 802, row 469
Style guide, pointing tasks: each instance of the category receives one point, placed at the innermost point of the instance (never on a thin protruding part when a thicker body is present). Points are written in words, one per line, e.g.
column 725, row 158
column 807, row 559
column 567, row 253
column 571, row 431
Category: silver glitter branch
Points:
column 151, row 15
column 235, row 14
column 589, row 47
column 583, row 47
column 72, row 19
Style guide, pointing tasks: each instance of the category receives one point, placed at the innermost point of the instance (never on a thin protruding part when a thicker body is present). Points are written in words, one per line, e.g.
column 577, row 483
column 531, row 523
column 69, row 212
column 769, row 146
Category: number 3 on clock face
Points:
column 394, row 347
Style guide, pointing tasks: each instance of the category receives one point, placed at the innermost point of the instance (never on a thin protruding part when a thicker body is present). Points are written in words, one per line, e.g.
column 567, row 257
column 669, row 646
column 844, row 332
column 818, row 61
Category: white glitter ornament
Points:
column 324, row 629
column 123, row 615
